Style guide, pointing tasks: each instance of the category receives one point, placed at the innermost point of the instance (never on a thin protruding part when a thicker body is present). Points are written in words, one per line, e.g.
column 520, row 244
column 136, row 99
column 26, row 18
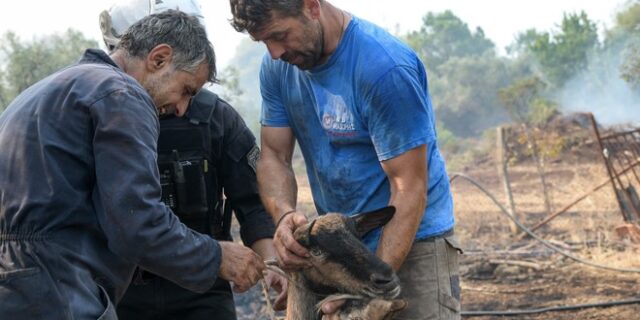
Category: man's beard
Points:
column 154, row 87
column 309, row 58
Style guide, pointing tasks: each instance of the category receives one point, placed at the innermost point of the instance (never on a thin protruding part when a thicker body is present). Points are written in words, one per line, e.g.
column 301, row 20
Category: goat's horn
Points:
column 335, row 297
column 271, row 262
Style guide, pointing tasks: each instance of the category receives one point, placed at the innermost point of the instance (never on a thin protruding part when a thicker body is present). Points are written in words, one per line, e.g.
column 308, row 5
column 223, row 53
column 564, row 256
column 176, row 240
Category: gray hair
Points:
column 184, row 33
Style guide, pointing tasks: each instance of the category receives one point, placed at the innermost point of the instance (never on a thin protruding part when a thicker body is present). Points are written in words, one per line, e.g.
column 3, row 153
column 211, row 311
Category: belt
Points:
column 438, row 236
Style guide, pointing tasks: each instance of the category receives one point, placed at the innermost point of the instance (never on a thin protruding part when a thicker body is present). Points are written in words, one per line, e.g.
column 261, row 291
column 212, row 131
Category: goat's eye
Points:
column 315, row 252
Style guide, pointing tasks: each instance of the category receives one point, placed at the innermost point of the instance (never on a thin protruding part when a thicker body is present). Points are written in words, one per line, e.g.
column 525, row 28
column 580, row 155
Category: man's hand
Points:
column 291, row 255
column 279, row 284
column 240, row 265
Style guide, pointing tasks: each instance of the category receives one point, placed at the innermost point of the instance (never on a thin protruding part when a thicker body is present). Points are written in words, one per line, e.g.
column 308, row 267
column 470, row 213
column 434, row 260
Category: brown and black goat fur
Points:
column 342, row 264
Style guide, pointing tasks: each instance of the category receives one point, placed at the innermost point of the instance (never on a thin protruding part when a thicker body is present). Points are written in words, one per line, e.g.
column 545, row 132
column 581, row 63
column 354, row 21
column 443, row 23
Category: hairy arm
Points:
column 276, row 179
column 279, row 191
column 407, row 175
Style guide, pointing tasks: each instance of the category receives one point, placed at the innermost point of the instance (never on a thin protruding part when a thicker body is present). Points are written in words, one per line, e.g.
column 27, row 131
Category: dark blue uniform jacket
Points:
column 80, row 197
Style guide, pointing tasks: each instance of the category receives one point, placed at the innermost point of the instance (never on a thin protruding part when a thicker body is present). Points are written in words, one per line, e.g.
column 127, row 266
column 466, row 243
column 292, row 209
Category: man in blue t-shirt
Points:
column 356, row 100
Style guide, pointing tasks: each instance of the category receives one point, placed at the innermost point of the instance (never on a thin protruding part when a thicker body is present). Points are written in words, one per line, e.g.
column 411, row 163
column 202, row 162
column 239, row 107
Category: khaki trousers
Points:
column 430, row 280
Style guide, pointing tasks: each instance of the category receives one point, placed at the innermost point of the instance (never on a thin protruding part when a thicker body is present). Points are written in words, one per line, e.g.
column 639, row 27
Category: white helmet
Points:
column 122, row 14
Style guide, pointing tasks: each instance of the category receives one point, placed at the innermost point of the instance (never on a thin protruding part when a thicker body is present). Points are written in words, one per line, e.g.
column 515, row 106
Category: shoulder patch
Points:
column 253, row 156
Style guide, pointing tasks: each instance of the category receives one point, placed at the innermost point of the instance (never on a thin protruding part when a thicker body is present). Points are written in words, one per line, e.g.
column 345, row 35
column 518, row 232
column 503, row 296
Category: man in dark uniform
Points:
column 229, row 160
column 204, row 157
column 80, row 193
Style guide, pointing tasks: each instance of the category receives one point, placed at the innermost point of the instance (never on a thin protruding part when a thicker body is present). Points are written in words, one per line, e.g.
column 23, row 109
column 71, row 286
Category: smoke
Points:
column 601, row 90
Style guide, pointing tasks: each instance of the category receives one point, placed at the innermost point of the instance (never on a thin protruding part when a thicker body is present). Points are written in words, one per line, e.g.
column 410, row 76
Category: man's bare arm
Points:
column 408, row 176
column 279, row 191
column 276, row 179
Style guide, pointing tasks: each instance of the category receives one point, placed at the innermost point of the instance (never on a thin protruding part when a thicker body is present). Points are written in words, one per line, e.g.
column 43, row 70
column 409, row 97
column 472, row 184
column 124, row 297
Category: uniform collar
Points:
column 201, row 107
column 96, row 56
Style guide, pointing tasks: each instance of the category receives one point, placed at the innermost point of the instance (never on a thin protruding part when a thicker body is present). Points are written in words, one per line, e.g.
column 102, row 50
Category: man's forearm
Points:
column 408, row 176
column 264, row 247
column 277, row 185
column 399, row 234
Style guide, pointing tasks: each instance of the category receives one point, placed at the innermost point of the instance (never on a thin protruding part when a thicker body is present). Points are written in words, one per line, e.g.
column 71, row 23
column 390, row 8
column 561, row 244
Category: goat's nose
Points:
column 381, row 279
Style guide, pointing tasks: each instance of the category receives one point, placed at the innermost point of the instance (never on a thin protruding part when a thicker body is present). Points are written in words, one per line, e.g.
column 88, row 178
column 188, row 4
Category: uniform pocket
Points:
column 27, row 292
column 453, row 241
column 6, row 276
column 453, row 250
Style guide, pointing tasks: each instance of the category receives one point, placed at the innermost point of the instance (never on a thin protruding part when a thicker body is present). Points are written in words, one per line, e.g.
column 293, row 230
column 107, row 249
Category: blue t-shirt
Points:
column 368, row 103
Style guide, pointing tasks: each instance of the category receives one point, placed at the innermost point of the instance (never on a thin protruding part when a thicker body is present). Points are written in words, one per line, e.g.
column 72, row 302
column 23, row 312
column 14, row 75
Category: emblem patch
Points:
column 253, row 156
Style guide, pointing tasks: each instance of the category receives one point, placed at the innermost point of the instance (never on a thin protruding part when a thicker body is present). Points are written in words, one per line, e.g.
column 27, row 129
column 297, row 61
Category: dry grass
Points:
column 586, row 230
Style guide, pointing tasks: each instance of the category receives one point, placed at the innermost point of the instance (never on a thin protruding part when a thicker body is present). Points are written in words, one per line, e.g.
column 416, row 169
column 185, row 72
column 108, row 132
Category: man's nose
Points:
column 182, row 106
column 275, row 50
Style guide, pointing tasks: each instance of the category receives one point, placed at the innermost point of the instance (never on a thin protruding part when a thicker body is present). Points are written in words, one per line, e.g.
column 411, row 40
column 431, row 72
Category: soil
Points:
column 502, row 270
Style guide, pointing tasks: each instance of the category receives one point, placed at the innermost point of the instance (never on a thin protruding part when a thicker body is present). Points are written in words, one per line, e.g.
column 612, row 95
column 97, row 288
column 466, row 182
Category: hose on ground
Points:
column 552, row 247
column 533, row 235
column 549, row 309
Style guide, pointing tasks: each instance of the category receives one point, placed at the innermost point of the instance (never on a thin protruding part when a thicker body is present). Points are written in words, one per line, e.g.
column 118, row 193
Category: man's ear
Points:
column 311, row 8
column 159, row 57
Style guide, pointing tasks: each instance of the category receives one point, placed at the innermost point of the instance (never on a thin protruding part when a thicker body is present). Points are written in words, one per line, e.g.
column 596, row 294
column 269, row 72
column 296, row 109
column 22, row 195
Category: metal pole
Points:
column 582, row 197
column 614, row 178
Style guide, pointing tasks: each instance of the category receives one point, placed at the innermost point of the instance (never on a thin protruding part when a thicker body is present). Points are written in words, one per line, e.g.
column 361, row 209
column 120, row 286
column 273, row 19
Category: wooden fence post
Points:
column 502, row 170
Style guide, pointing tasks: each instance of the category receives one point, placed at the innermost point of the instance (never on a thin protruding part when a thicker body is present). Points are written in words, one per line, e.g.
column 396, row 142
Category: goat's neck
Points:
column 301, row 301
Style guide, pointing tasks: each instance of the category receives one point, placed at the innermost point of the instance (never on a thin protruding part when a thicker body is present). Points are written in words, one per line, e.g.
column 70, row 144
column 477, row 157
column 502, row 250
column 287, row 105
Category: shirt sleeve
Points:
column 273, row 111
column 137, row 225
column 398, row 112
column 240, row 182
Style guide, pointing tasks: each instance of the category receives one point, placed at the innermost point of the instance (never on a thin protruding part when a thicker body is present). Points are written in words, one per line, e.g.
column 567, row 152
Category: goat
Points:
column 342, row 266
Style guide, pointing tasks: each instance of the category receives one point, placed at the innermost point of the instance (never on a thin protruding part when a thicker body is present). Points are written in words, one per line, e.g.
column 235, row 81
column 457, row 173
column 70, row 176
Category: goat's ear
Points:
column 367, row 221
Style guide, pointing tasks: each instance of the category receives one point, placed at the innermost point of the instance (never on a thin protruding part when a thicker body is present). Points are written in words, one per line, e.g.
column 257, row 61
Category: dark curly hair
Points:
column 252, row 15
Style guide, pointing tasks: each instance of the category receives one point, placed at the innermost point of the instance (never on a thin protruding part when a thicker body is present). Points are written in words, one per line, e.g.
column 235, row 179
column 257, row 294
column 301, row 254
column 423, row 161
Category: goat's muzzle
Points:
column 385, row 287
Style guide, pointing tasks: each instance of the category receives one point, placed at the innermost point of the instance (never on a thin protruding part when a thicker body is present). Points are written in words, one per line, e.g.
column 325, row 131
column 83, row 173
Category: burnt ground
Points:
column 505, row 271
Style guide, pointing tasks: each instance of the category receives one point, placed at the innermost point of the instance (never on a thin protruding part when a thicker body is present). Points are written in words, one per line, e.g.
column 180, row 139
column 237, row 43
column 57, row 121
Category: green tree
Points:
column 564, row 54
column 522, row 43
column 236, row 93
column 230, row 83
column 464, row 73
column 443, row 36
column 26, row 62
column 630, row 69
column 240, row 82
column 519, row 97
column 629, row 18
column 625, row 37
column 465, row 93
column 523, row 99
